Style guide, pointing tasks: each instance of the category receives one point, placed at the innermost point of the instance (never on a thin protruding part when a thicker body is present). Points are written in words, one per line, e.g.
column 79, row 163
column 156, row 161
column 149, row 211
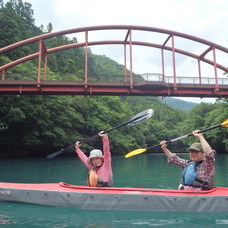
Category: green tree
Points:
column 37, row 125
column 17, row 22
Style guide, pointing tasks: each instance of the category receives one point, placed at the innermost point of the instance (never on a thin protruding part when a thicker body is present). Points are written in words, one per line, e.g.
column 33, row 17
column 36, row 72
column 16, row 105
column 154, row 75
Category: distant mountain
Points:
column 178, row 104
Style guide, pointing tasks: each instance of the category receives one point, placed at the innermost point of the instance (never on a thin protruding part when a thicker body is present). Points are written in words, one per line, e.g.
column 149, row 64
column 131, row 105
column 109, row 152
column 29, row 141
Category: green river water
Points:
column 145, row 170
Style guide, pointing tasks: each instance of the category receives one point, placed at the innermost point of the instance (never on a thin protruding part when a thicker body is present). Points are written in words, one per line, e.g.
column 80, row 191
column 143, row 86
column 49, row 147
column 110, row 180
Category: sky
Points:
column 206, row 19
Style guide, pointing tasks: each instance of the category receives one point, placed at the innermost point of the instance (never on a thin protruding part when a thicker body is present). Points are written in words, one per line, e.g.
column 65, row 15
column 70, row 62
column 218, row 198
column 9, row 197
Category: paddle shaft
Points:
column 134, row 119
column 111, row 129
column 185, row 136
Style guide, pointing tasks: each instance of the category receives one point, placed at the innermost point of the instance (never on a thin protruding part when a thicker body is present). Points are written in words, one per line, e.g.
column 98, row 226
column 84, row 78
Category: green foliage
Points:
column 105, row 69
column 4, row 60
column 206, row 115
column 38, row 125
column 178, row 104
column 17, row 22
column 68, row 61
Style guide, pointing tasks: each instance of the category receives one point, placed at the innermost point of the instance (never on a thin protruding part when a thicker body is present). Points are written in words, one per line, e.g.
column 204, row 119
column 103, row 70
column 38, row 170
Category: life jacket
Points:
column 189, row 173
column 93, row 179
column 189, row 176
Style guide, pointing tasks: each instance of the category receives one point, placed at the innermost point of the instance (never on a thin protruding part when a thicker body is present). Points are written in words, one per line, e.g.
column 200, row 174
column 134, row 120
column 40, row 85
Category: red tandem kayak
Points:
column 115, row 198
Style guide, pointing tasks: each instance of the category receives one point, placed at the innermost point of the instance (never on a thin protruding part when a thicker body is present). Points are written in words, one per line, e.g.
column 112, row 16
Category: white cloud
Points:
column 203, row 18
column 197, row 100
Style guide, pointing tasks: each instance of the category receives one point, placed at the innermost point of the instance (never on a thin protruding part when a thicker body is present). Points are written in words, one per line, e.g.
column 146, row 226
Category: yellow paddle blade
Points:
column 225, row 123
column 135, row 152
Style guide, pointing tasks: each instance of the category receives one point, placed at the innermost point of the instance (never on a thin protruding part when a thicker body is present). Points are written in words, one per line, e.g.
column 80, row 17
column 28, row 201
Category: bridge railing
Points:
column 184, row 79
column 148, row 77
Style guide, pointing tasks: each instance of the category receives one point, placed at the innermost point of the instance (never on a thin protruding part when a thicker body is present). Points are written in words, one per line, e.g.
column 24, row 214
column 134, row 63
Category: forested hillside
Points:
column 178, row 104
column 34, row 126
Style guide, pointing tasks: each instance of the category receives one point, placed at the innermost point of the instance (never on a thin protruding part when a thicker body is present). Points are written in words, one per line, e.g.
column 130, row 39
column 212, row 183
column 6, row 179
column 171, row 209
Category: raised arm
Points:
column 81, row 155
column 206, row 147
column 106, row 147
column 167, row 152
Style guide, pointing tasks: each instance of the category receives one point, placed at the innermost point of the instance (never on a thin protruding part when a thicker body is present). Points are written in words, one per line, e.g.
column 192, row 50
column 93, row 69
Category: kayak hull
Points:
column 110, row 198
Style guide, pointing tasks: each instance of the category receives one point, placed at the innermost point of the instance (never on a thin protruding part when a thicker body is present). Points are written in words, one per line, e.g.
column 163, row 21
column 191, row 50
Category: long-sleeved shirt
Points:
column 205, row 170
column 105, row 171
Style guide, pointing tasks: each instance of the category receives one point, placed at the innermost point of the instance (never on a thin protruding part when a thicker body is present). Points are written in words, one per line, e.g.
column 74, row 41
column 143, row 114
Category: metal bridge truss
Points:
column 148, row 85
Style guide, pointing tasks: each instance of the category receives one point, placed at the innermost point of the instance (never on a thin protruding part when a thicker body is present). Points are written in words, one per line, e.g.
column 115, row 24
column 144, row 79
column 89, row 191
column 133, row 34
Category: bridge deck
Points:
column 143, row 88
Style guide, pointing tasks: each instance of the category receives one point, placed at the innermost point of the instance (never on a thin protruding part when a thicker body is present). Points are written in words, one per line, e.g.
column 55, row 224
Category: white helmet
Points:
column 95, row 154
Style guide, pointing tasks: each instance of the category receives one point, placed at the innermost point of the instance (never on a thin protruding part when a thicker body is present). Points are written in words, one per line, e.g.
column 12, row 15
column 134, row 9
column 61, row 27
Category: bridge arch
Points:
column 165, row 44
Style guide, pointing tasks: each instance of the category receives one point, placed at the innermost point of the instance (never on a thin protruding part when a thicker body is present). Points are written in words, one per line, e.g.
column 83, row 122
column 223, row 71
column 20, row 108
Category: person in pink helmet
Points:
column 198, row 172
column 98, row 164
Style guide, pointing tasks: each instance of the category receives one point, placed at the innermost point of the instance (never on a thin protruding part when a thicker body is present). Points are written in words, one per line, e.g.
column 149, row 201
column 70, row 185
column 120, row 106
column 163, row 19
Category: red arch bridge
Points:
column 172, row 50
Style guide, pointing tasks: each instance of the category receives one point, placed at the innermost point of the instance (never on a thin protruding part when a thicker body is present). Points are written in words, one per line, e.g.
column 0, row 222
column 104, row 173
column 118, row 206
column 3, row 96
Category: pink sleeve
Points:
column 105, row 171
column 83, row 158
column 106, row 150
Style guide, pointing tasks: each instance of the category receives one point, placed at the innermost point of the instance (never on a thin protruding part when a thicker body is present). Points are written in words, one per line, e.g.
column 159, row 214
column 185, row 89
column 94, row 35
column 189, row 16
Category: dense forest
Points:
column 34, row 126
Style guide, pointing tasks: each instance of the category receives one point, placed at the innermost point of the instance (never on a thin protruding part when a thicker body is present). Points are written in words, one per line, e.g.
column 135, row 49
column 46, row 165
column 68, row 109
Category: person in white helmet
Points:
column 99, row 164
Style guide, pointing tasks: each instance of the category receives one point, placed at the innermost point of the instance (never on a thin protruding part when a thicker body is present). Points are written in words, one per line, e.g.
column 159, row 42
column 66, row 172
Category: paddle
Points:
column 139, row 151
column 140, row 117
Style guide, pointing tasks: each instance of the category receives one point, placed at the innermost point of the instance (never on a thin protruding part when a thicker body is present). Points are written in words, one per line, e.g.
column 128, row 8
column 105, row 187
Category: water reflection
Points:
column 20, row 215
